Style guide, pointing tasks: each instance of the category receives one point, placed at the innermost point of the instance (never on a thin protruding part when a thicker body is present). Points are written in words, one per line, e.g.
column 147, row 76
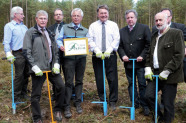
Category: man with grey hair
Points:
column 41, row 51
column 14, row 32
column 74, row 66
column 165, row 58
column 104, row 41
column 134, row 43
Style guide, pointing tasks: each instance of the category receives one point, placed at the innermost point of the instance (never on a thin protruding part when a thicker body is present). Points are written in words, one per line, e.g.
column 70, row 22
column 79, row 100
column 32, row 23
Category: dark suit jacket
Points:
column 135, row 43
column 54, row 26
column 174, row 25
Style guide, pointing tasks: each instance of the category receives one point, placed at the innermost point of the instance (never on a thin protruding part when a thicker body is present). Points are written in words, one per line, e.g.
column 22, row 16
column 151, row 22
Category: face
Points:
column 76, row 17
column 19, row 16
column 103, row 15
column 42, row 21
column 131, row 19
column 160, row 21
column 168, row 14
column 58, row 16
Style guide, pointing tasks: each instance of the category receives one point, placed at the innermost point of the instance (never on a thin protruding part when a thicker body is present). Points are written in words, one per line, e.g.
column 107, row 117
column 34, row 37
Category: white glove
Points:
column 55, row 69
column 164, row 75
column 148, row 73
column 10, row 57
column 37, row 70
column 107, row 52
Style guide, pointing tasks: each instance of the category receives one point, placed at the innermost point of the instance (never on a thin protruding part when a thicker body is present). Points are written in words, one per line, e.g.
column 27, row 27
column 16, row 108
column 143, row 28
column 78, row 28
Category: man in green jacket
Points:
column 165, row 59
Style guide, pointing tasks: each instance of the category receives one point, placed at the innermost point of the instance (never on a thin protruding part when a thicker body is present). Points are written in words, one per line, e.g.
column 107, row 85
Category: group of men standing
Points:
column 43, row 49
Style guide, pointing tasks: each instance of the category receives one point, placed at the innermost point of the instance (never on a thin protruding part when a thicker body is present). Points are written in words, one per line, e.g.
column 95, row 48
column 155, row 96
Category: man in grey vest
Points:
column 74, row 65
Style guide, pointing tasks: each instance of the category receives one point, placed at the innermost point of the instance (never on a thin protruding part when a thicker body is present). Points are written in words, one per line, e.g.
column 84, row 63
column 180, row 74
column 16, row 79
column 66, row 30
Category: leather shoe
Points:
column 58, row 116
column 38, row 121
column 67, row 113
column 113, row 106
column 146, row 111
column 79, row 109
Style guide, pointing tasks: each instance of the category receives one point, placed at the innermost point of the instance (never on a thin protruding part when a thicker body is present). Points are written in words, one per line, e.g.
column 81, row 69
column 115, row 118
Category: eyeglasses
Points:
column 58, row 14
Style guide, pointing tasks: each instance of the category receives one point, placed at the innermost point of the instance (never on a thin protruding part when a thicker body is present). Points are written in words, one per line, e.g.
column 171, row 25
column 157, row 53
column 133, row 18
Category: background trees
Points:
column 145, row 8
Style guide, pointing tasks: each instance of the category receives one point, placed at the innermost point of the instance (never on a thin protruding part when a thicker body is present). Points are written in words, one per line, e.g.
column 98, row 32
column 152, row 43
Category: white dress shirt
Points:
column 95, row 36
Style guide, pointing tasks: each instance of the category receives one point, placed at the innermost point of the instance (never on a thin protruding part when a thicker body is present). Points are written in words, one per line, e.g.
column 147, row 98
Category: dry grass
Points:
column 91, row 112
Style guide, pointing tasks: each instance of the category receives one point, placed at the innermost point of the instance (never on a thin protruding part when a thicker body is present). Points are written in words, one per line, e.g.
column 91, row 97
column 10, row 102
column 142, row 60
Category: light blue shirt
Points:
column 13, row 36
column 59, row 40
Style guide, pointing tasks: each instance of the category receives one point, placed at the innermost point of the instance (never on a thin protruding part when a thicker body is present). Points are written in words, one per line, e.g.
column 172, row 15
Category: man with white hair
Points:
column 74, row 66
column 14, row 32
column 165, row 59
column 41, row 51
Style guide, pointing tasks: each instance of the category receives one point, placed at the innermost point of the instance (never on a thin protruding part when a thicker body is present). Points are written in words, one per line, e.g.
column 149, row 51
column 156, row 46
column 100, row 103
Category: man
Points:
column 41, row 51
column 177, row 26
column 73, row 65
column 134, row 43
column 14, row 32
column 104, row 42
column 164, row 59
column 56, row 28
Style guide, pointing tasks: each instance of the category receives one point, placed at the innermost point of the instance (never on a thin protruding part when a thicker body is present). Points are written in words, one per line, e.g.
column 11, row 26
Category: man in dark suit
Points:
column 56, row 28
column 177, row 26
column 134, row 43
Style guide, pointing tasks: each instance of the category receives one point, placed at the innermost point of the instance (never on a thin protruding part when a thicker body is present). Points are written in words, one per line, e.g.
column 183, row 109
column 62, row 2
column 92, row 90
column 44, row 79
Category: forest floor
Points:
column 91, row 112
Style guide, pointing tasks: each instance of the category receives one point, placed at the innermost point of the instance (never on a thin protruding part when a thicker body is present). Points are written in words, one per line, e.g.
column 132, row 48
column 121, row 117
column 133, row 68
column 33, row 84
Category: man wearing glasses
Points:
column 14, row 32
column 55, row 29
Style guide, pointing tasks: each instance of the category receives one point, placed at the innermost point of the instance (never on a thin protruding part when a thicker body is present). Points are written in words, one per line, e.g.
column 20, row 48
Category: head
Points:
column 169, row 14
column 41, row 18
column 58, row 15
column 17, row 14
column 161, row 21
column 77, row 16
column 131, row 17
column 103, row 13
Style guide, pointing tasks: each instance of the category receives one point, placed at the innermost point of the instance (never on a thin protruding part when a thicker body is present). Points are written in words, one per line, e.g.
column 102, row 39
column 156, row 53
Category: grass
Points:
column 92, row 113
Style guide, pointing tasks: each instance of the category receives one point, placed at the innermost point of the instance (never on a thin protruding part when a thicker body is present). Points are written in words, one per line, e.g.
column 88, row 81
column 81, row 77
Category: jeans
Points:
column 139, row 99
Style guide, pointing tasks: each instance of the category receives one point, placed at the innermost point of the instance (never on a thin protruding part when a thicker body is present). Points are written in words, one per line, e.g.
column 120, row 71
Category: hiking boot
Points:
column 67, row 113
column 58, row 116
column 79, row 109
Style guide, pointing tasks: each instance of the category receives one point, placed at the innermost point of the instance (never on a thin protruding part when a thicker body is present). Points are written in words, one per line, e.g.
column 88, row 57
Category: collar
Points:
column 39, row 28
column 170, row 24
column 100, row 22
column 165, row 31
column 132, row 26
column 76, row 25
column 14, row 22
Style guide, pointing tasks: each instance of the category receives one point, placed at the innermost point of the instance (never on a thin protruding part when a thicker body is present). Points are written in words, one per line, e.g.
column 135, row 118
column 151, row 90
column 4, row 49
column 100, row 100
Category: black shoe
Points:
column 113, row 106
column 146, row 111
column 26, row 97
column 38, row 121
column 53, row 97
column 67, row 113
column 79, row 109
column 58, row 116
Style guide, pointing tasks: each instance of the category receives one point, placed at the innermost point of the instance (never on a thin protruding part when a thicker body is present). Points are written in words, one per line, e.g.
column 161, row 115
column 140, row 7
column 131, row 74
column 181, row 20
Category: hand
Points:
column 62, row 48
column 139, row 59
column 107, row 54
column 125, row 59
column 148, row 73
column 10, row 57
column 55, row 69
column 164, row 75
column 37, row 70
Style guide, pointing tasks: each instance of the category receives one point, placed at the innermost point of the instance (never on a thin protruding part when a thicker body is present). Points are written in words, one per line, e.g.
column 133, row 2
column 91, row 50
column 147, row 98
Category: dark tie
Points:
column 75, row 27
column 46, row 42
column 103, row 38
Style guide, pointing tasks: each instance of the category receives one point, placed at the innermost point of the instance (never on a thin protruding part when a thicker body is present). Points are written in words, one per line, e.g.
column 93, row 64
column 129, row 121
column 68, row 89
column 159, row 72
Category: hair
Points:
column 41, row 12
column 77, row 9
column 102, row 7
column 58, row 9
column 131, row 10
column 15, row 10
column 167, row 9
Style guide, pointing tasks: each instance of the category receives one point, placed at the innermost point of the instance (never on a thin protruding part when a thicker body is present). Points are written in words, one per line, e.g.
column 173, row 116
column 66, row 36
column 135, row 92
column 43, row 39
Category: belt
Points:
column 20, row 50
